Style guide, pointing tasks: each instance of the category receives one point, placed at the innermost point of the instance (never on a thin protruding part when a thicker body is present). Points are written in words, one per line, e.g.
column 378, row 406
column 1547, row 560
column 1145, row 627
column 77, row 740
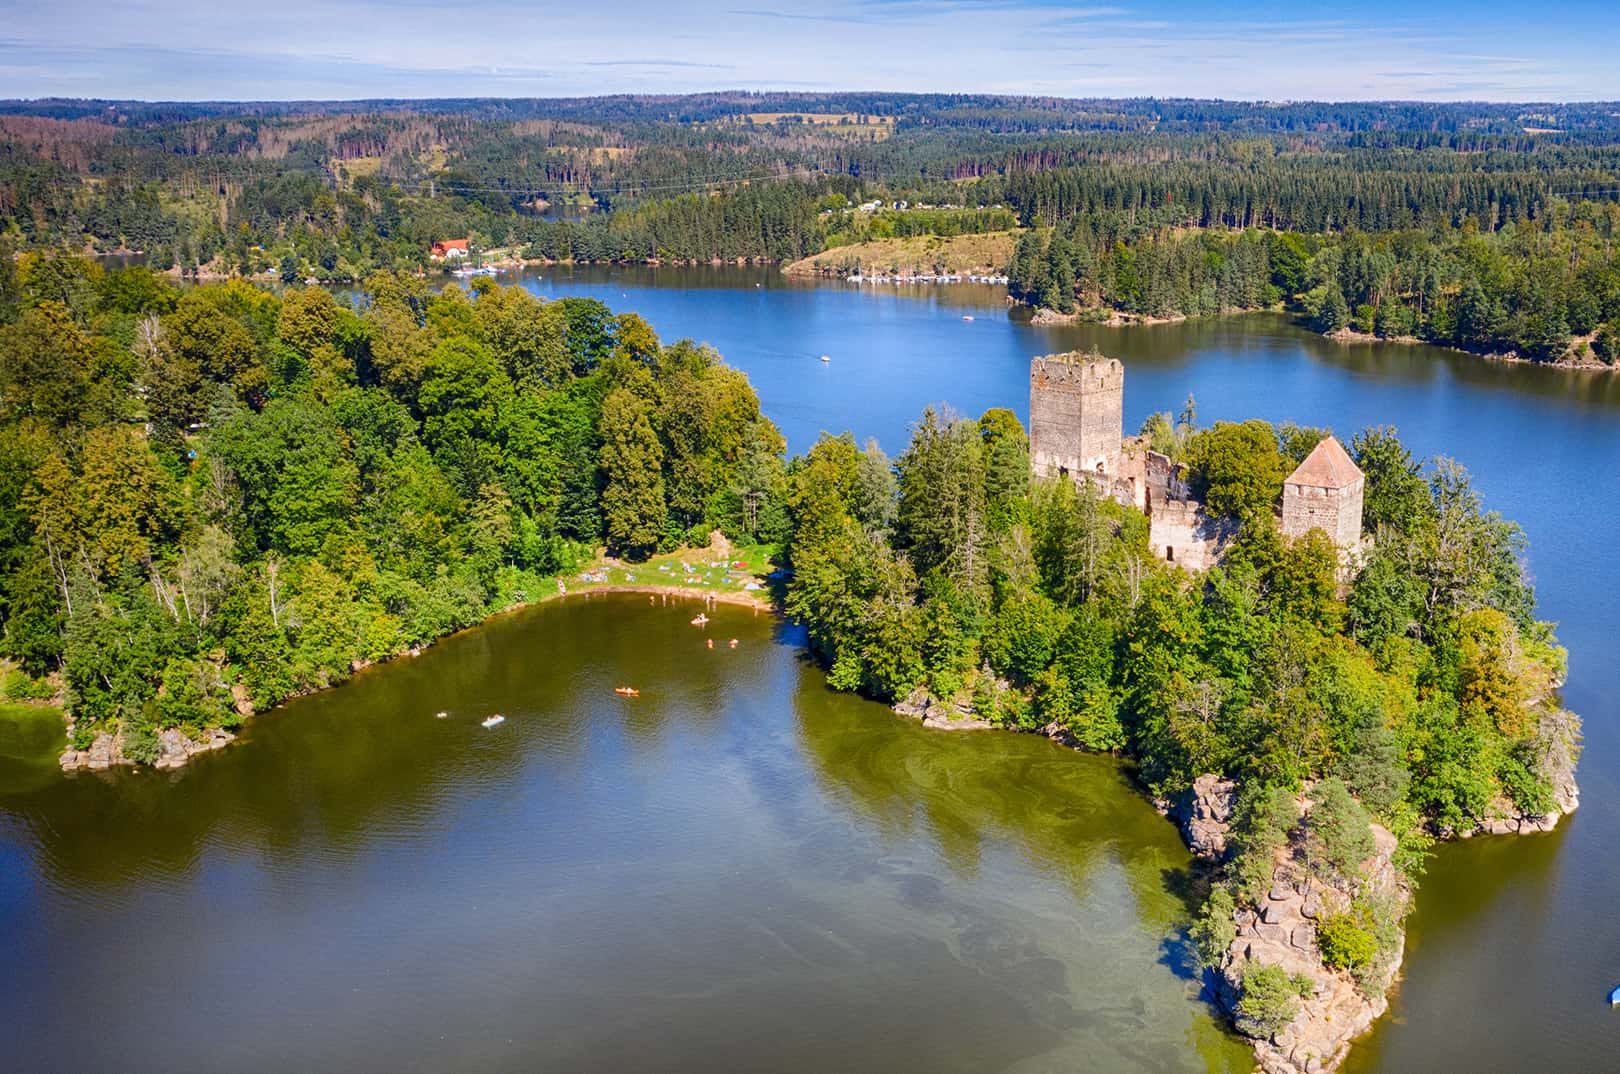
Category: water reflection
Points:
column 734, row 863
column 1067, row 814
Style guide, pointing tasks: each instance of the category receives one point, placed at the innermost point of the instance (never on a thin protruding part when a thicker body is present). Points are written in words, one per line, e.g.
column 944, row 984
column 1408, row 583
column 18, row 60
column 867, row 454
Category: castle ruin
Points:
column 1325, row 493
column 1076, row 429
column 1076, row 409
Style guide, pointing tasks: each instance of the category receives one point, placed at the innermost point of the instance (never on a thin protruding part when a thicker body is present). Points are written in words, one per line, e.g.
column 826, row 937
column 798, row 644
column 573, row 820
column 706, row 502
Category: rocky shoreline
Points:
column 1351, row 335
column 107, row 749
column 1107, row 317
column 940, row 715
column 1281, row 930
column 1114, row 319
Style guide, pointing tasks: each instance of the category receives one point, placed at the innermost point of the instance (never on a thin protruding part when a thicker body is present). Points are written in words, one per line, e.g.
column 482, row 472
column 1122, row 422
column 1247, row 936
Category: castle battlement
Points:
column 1075, row 371
column 1076, row 426
column 1076, row 414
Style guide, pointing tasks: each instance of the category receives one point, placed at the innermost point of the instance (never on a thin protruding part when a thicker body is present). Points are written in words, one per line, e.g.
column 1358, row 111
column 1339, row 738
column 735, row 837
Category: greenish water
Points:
column 738, row 870
column 30, row 741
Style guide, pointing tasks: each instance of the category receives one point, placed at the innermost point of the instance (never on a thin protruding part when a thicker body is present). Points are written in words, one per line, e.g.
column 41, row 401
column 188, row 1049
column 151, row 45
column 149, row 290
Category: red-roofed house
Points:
column 449, row 249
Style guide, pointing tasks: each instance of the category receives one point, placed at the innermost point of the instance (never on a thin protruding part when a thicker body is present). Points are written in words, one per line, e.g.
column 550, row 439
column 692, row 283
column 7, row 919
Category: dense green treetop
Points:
column 222, row 486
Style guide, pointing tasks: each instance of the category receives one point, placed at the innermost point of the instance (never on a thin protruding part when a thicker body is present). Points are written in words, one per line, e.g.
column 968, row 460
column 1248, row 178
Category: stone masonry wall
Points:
column 1076, row 414
column 1336, row 512
column 1181, row 533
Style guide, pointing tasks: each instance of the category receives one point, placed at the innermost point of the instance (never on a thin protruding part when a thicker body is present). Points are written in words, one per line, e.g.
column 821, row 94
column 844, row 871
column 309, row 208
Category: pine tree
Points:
column 1334, row 313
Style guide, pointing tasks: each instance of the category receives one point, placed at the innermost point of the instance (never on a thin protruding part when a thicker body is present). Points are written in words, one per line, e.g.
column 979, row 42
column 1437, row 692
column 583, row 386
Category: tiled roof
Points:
column 1328, row 466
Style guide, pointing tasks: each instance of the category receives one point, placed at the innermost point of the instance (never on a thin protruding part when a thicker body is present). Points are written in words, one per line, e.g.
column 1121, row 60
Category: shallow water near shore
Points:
column 741, row 870
column 737, row 870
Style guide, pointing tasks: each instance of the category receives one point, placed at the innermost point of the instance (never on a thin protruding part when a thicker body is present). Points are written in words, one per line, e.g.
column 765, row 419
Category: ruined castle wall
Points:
column 1076, row 415
column 1180, row 532
column 1166, row 480
column 1336, row 512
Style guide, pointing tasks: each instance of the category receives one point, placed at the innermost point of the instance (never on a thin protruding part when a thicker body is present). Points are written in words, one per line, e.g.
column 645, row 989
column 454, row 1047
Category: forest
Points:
column 1546, row 290
column 217, row 498
column 1153, row 200
column 1487, row 227
column 1413, row 696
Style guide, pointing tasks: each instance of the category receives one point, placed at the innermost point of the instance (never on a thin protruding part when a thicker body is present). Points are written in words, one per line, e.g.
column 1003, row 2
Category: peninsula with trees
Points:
column 1317, row 660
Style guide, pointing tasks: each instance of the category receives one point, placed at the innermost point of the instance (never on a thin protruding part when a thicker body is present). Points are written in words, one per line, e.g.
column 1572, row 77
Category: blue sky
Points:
column 224, row 49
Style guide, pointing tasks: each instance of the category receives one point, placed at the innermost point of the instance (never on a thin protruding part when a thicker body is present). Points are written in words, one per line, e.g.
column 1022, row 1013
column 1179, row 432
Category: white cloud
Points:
column 415, row 48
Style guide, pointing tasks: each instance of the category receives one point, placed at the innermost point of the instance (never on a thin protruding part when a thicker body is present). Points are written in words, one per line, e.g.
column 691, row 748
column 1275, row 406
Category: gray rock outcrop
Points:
column 175, row 749
column 1204, row 814
column 940, row 715
column 1282, row 932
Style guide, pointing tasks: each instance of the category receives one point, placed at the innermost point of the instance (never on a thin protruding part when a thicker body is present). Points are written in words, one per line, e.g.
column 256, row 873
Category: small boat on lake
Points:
column 440, row 715
column 701, row 620
column 627, row 691
column 824, row 358
column 492, row 721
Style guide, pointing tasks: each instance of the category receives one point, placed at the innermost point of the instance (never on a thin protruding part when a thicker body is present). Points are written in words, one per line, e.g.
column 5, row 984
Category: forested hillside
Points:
column 219, row 487
column 1483, row 226
column 1419, row 697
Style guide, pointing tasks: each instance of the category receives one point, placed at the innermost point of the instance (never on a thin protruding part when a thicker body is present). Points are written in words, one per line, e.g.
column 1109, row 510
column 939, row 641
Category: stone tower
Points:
column 1324, row 493
column 1076, row 414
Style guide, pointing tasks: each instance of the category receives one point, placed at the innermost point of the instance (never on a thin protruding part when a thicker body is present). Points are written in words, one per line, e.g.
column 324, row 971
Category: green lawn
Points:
column 698, row 570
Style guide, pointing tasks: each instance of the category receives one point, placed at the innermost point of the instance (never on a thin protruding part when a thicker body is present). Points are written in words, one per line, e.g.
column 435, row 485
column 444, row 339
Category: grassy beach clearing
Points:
column 726, row 573
column 982, row 254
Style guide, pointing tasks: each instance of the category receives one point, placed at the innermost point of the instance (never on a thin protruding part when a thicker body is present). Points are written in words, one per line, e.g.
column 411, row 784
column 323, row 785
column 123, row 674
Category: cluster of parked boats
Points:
column 949, row 277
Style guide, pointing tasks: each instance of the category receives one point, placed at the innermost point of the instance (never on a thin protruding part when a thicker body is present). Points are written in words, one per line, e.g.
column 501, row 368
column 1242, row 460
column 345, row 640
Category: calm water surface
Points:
column 740, row 870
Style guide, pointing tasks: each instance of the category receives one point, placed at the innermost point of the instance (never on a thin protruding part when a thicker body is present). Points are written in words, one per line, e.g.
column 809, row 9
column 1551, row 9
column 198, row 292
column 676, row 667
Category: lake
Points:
column 742, row 870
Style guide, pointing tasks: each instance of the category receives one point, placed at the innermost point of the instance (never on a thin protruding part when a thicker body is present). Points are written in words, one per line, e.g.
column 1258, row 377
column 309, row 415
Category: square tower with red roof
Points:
column 1324, row 493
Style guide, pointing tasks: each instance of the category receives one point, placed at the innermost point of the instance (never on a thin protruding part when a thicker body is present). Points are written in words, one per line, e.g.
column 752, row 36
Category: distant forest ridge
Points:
column 1495, row 224
column 950, row 109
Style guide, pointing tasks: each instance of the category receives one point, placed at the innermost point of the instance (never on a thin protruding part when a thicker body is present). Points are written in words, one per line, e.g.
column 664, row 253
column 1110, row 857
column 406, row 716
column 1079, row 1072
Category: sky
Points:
column 1256, row 50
